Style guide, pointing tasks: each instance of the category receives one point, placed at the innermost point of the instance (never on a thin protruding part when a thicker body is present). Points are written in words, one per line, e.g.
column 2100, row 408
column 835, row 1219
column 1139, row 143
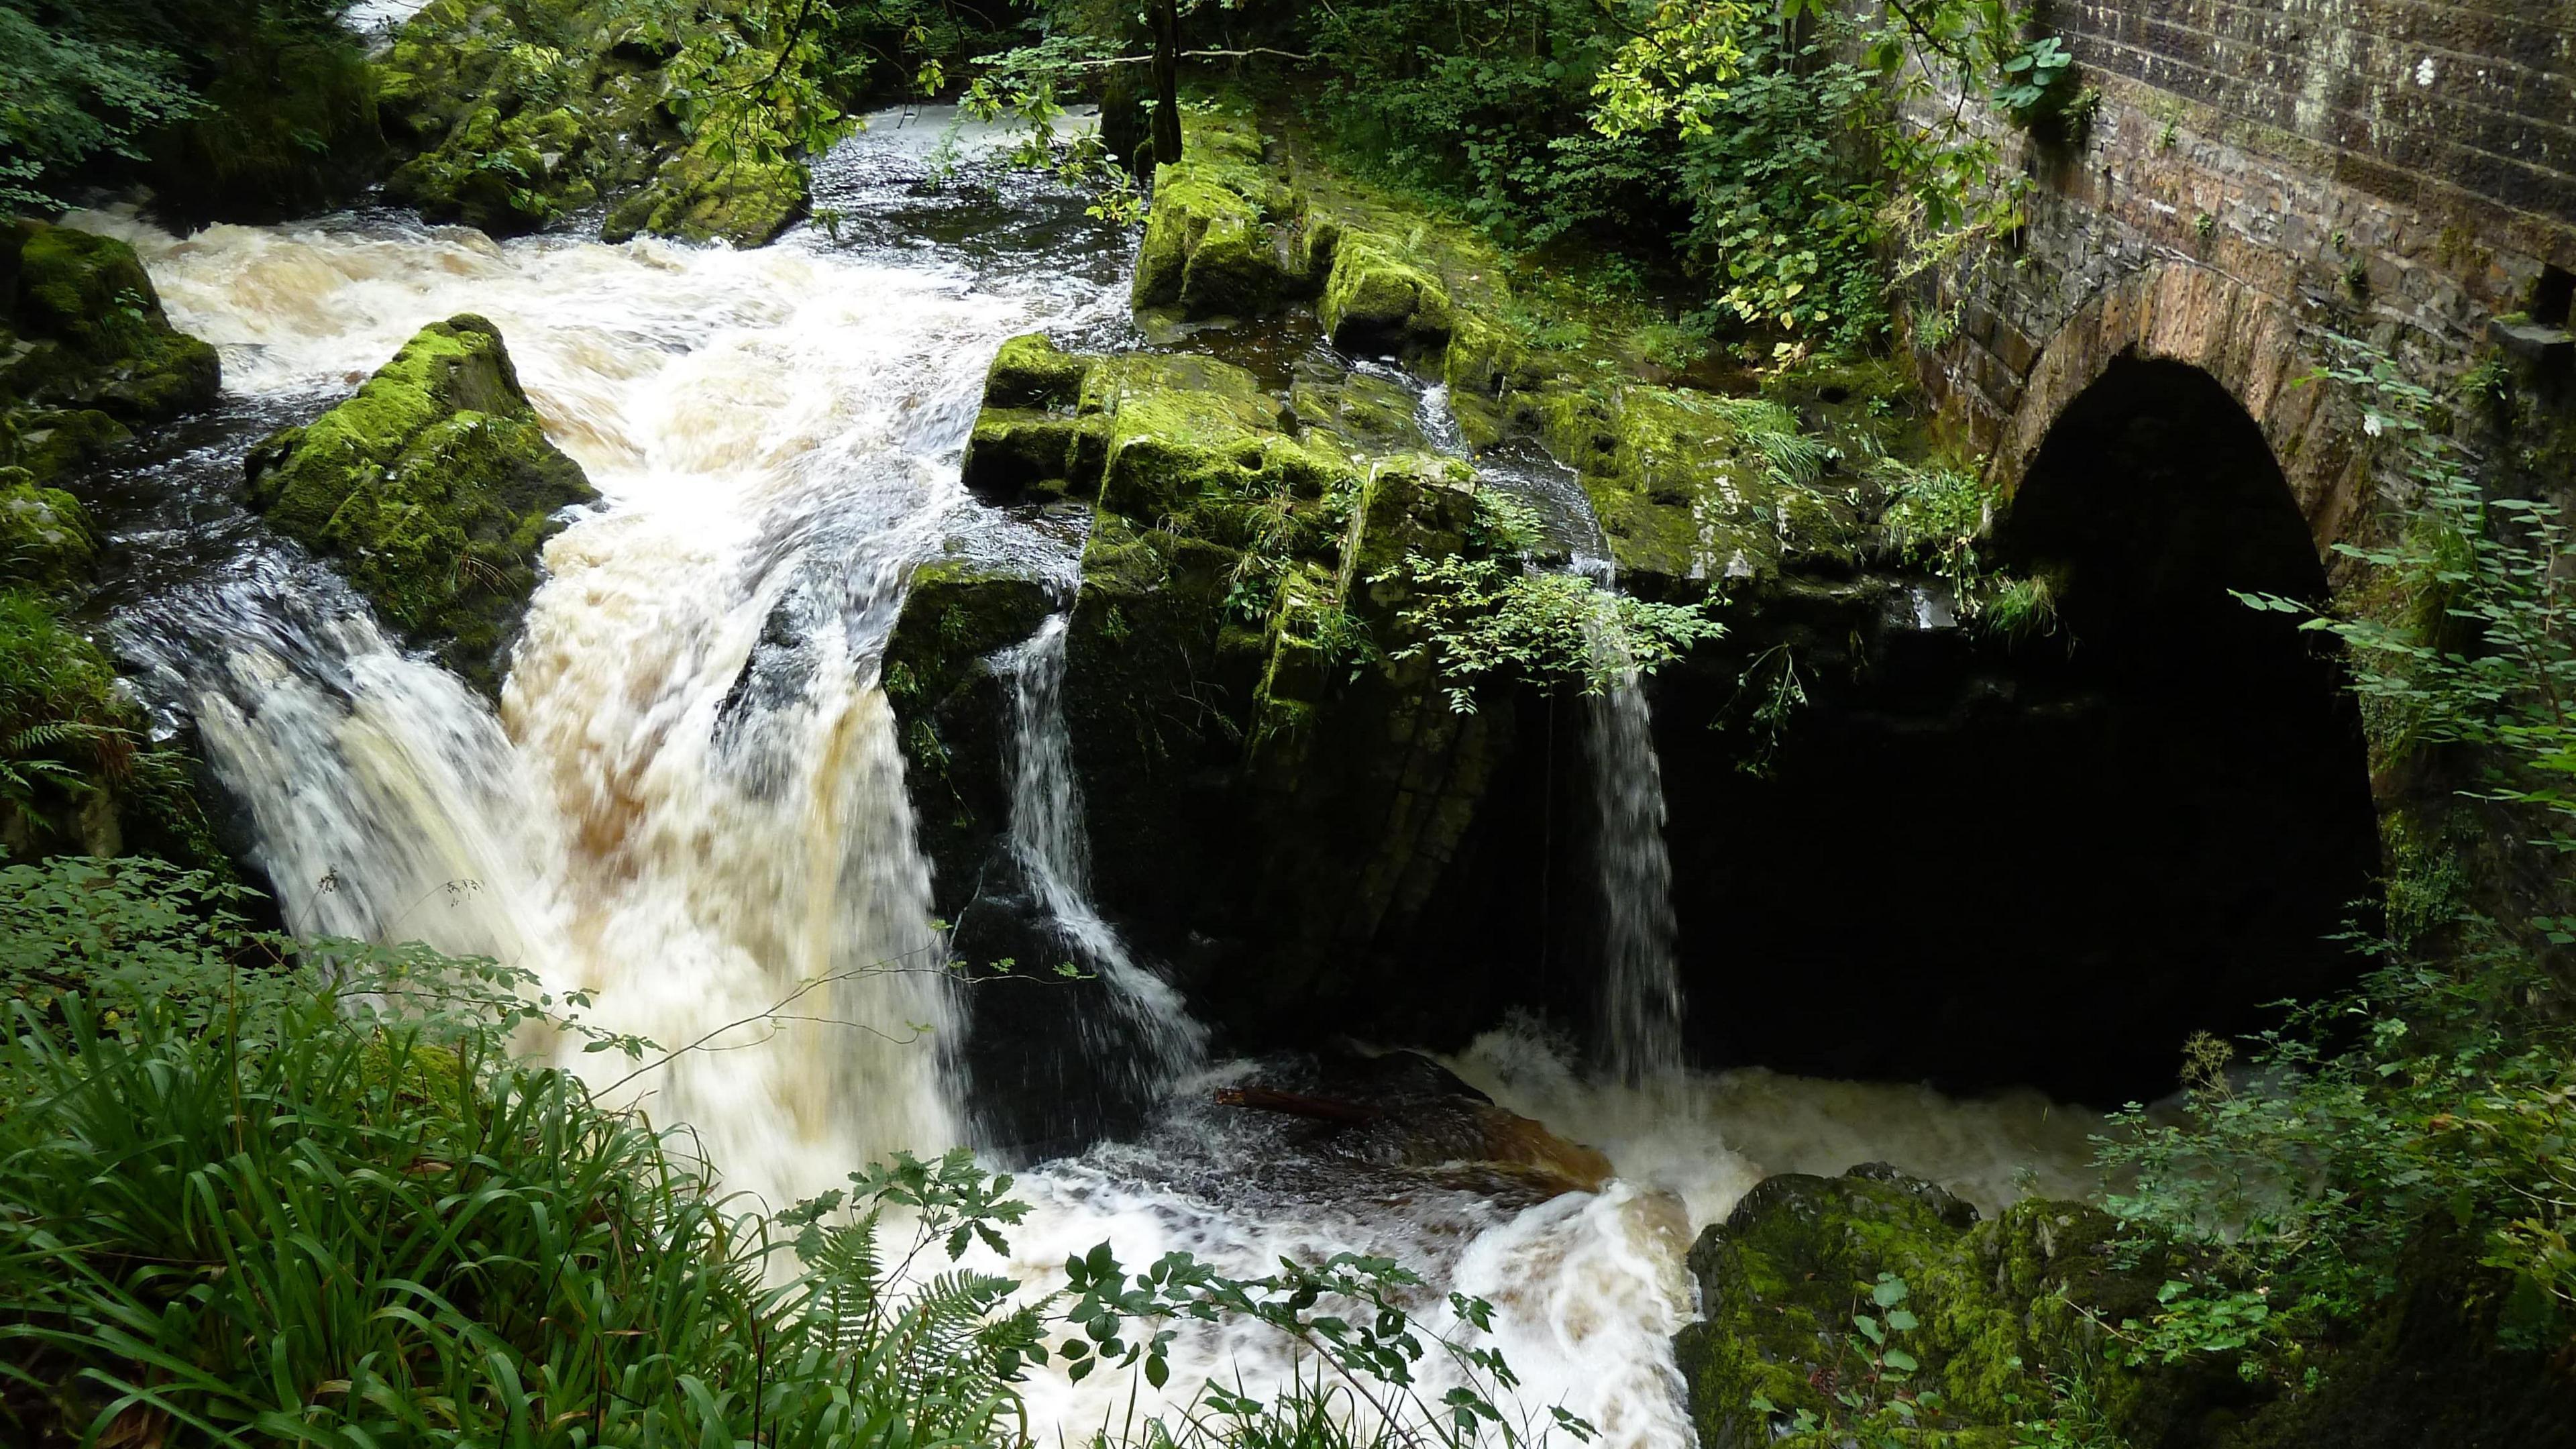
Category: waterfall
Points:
column 689, row 798
column 1638, row 1028
column 690, row 801
column 1641, row 991
column 1054, row 855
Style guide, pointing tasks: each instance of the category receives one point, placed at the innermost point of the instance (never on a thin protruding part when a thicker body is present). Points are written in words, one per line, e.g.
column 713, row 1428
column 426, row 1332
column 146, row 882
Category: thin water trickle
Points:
column 1638, row 1029
column 1054, row 855
column 1641, row 989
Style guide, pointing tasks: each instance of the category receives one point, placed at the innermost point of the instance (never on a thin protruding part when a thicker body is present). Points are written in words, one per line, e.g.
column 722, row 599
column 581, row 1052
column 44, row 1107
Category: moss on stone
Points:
column 1209, row 249
column 1380, row 300
column 1190, row 431
column 86, row 329
column 434, row 489
column 2003, row 1310
column 951, row 709
column 1362, row 413
column 1030, row 371
column 1692, row 487
column 516, row 113
column 1016, row 452
column 53, row 443
column 45, row 537
column 696, row 196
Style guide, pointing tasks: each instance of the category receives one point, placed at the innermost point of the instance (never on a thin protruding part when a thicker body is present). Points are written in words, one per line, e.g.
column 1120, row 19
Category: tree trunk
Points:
column 1167, row 81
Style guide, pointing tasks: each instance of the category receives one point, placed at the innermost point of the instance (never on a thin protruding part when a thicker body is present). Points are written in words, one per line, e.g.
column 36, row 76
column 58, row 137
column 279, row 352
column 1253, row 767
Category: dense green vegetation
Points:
column 261, row 1190
column 234, row 109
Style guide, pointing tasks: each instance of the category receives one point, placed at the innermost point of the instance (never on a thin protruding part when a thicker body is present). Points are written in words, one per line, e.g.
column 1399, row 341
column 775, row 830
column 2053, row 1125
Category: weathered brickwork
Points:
column 2397, row 170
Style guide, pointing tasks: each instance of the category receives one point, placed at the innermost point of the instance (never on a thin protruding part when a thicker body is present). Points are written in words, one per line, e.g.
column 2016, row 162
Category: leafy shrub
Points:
column 1486, row 618
column 86, row 80
column 2467, row 644
column 2299, row 1188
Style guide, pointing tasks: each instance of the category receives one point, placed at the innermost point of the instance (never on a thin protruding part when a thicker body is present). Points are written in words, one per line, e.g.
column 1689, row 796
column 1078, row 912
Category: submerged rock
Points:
column 1406, row 1112
column 433, row 489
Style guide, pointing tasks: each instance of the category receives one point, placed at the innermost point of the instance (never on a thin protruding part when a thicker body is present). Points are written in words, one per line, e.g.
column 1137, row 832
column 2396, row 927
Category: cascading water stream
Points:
column 690, row 799
column 1639, row 1021
column 1641, row 988
column 1054, row 855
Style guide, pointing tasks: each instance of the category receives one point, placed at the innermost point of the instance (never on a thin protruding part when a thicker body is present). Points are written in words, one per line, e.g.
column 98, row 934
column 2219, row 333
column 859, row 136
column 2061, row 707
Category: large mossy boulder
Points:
column 85, row 332
column 1811, row 1282
column 1215, row 242
column 513, row 115
column 1265, row 780
column 433, row 490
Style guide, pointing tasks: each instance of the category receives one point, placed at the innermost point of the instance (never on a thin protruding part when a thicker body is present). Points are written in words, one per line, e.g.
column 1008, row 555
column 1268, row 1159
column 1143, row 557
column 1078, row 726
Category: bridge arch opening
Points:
column 1982, row 861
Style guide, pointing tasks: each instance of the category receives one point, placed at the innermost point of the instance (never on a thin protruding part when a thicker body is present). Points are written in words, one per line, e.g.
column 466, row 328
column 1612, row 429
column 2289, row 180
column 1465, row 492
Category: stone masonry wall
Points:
column 2256, row 175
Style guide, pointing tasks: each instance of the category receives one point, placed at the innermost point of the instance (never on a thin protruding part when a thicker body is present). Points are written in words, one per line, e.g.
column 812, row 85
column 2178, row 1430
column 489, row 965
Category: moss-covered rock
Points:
column 1210, row 247
column 45, row 537
column 696, row 196
column 1030, row 371
column 1247, row 743
column 1692, row 487
column 2006, row 1322
column 518, row 113
column 1379, row 300
column 1024, row 441
column 434, row 489
column 86, row 330
column 53, row 443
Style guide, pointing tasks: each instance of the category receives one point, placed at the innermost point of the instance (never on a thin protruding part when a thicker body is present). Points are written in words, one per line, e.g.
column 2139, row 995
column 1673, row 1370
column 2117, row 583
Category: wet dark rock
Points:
column 1404, row 1111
